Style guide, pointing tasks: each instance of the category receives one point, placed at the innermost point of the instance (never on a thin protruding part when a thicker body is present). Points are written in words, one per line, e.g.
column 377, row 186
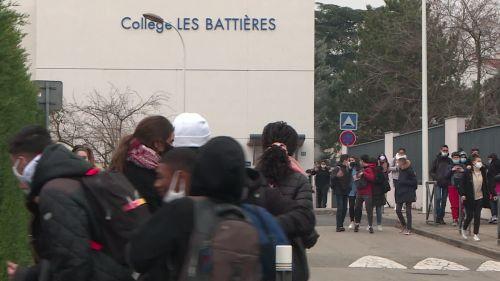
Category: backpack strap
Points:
column 205, row 221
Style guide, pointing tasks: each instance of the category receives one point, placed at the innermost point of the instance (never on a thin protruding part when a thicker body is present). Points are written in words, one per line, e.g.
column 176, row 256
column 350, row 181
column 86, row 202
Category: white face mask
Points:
column 382, row 158
column 29, row 171
column 323, row 166
column 171, row 194
column 478, row 165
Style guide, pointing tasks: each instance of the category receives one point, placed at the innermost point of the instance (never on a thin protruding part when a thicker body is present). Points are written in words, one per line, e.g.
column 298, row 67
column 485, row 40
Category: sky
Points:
column 355, row 4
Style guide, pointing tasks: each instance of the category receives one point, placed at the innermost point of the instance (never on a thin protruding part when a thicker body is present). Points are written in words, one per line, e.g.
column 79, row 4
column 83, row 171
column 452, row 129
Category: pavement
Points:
column 389, row 255
column 488, row 246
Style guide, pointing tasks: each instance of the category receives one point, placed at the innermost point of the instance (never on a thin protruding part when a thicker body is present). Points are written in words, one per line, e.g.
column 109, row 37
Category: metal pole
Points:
column 47, row 105
column 425, row 123
column 183, row 66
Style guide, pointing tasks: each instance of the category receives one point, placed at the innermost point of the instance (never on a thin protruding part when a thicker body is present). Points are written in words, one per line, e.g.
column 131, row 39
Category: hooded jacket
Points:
column 61, row 223
column 159, row 249
column 406, row 188
column 369, row 176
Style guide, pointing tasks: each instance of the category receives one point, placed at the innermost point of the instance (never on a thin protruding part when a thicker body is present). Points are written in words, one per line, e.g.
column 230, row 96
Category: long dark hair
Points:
column 274, row 162
column 147, row 132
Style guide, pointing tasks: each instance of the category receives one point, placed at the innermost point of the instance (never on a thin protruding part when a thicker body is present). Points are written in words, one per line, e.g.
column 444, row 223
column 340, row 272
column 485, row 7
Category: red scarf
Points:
column 142, row 155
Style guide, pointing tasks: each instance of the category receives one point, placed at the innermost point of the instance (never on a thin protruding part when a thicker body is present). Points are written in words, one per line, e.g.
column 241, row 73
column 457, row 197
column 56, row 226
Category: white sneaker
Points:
column 464, row 236
column 379, row 227
column 368, row 228
column 351, row 226
column 476, row 238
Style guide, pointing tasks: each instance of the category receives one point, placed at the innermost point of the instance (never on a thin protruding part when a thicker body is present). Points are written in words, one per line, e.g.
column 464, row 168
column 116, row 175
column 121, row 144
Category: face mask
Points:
column 382, row 158
column 171, row 194
column 323, row 166
column 463, row 160
column 352, row 164
column 456, row 161
column 444, row 154
column 29, row 171
column 478, row 165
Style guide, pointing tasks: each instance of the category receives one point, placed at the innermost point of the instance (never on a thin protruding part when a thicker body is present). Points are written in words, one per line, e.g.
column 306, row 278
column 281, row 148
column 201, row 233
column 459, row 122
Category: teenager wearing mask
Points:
column 380, row 188
column 322, row 184
column 440, row 173
column 60, row 229
column 283, row 172
column 456, row 173
column 405, row 193
column 354, row 168
column 493, row 175
column 138, row 155
column 394, row 164
column 341, row 186
column 365, row 179
column 475, row 194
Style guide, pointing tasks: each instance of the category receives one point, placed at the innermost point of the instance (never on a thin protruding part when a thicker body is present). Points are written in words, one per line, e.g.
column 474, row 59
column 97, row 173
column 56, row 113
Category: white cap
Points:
column 191, row 130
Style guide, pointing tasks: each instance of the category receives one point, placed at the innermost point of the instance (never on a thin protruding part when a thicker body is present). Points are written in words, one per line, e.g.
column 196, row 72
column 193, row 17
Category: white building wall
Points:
column 239, row 80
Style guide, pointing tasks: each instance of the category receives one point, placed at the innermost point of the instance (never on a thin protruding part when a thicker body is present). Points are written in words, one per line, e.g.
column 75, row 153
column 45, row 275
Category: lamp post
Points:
column 160, row 20
column 425, row 122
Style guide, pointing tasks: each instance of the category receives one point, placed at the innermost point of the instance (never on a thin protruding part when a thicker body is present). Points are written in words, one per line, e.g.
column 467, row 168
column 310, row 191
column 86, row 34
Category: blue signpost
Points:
column 348, row 121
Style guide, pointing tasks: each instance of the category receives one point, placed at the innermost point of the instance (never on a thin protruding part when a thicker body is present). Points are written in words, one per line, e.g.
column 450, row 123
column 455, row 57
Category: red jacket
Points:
column 369, row 176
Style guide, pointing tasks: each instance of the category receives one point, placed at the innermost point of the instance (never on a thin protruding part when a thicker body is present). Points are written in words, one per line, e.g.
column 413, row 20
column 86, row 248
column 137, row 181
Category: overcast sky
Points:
column 355, row 4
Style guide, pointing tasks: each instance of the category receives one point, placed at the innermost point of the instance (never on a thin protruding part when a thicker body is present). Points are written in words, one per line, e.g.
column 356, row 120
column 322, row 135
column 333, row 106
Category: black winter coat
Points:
column 322, row 177
column 341, row 185
column 406, row 188
column 143, row 180
column 61, row 224
column 297, row 187
column 440, row 170
column 493, row 171
column 380, row 187
column 467, row 188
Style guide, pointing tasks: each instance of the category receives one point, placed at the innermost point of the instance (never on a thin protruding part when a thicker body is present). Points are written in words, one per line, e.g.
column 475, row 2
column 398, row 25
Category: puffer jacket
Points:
column 467, row 188
column 61, row 225
column 297, row 187
column 369, row 176
column 406, row 188
column 341, row 185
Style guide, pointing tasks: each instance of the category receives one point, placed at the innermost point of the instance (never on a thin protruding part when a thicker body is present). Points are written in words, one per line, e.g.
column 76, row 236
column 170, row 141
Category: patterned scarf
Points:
column 142, row 155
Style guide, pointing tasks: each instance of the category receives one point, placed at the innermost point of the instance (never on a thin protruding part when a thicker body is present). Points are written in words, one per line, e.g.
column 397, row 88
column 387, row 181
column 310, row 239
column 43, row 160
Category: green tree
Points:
column 17, row 108
column 336, row 50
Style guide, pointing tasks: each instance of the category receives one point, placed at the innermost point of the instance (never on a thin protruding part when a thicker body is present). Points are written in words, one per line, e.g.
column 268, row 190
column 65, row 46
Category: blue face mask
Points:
column 463, row 160
column 456, row 161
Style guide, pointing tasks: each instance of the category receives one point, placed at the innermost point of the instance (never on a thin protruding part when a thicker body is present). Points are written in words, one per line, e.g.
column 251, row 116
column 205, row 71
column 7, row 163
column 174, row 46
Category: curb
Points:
column 457, row 243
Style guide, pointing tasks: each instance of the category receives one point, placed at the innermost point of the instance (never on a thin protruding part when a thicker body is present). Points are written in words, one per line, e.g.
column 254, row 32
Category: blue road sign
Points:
column 348, row 121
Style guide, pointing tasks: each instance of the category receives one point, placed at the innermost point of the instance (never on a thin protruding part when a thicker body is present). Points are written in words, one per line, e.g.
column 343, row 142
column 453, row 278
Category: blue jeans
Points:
column 494, row 208
column 341, row 209
column 379, row 210
column 441, row 197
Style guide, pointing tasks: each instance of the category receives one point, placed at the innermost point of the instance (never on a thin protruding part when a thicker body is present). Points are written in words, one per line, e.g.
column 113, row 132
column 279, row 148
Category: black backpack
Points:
column 117, row 210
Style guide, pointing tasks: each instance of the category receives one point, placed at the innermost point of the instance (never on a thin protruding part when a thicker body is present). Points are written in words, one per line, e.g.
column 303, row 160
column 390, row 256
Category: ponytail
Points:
column 274, row 164
column 120, row 155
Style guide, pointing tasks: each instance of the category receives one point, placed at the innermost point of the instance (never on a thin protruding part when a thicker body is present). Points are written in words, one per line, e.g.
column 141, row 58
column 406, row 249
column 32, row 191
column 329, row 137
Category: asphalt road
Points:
column 393, row 256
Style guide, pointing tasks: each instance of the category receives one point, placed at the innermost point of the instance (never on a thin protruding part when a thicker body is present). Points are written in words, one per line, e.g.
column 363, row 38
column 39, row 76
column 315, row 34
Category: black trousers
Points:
column 473, row 210
column 367, row 199
column 399, row 212
column 352, row 206
column 321, row 196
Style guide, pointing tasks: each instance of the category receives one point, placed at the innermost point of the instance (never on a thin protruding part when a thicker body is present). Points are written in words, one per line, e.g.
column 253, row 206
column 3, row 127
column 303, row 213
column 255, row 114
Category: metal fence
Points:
column 486, row 139
column 373, row 148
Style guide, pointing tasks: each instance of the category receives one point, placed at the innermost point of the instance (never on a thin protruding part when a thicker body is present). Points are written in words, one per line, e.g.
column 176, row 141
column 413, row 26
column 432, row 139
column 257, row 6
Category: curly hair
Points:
column 279, row 141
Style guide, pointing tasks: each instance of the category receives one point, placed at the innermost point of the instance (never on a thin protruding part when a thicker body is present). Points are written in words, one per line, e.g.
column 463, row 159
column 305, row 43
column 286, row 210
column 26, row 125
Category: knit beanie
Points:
column 191, row 130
